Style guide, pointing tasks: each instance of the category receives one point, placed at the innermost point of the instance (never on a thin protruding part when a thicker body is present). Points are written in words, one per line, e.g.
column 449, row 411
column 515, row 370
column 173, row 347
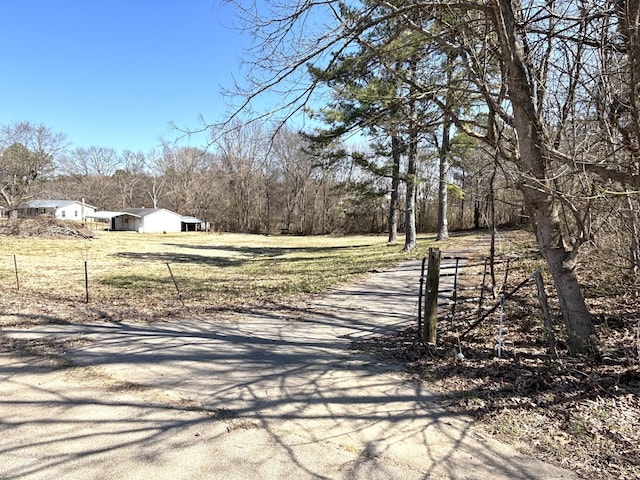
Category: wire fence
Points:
column 472, row 291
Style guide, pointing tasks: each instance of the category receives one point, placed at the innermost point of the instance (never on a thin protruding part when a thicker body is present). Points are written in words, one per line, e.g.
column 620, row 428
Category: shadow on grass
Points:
column 264, row 251
column 239, row 255
column 180, row 258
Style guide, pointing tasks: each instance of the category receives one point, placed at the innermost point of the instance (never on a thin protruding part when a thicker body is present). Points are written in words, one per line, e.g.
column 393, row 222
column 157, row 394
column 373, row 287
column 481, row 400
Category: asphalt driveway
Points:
column 270, row 394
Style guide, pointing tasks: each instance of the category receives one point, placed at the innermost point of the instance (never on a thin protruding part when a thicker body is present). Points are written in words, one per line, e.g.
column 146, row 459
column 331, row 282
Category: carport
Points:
column 194, row 224
column 117, row 220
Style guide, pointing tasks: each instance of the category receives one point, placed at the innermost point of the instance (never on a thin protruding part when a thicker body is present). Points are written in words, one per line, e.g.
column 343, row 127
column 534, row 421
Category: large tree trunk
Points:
column 12, row 206
column 445, row 150
column 537, row 189
column 13, row 213
column 410, row 242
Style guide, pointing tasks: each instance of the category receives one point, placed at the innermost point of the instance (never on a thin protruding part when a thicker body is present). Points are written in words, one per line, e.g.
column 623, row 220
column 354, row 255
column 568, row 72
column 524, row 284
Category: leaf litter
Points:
column 582, row 414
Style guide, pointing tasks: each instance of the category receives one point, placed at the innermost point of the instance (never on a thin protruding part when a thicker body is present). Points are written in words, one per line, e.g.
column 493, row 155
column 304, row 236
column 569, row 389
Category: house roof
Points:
column 140, row 212
column 51, row 203
column 107, row 215
column 143, row 212
column 133, row 212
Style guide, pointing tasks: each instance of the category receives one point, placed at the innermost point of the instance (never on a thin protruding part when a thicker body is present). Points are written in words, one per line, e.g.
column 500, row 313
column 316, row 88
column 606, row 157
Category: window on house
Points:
column 75, row 213
column 63, row 214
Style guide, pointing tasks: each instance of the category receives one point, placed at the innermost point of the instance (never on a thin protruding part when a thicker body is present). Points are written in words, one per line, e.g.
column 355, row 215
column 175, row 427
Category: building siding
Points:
column 74, row 211
column 69, row 211
column 161, row 221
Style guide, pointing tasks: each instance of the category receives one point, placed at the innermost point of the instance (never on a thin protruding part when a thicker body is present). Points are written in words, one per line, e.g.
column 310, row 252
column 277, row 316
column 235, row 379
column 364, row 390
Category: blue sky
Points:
column 115, row 73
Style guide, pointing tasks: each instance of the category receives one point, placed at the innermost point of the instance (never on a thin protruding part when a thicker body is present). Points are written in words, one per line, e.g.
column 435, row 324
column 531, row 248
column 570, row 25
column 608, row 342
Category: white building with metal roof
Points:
column 61, row 209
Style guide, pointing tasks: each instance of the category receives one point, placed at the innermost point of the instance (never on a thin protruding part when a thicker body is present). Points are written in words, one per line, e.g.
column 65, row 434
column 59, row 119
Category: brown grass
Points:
column 130, row 274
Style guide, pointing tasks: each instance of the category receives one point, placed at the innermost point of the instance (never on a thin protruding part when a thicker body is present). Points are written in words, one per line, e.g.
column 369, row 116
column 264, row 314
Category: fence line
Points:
column 464, row 305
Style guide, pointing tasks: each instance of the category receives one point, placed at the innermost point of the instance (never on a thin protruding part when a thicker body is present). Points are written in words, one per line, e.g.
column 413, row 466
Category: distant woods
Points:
column 256, row 181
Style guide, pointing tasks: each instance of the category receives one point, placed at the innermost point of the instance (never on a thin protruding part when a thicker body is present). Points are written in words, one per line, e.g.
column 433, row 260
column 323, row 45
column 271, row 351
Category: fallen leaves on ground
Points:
column 582, row 414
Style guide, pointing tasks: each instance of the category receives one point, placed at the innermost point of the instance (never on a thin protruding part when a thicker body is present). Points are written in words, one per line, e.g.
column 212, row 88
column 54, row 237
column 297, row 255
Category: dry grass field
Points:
column 158, row 275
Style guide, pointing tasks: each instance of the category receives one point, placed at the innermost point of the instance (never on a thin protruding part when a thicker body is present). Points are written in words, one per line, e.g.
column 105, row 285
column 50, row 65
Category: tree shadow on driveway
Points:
column 270, row 394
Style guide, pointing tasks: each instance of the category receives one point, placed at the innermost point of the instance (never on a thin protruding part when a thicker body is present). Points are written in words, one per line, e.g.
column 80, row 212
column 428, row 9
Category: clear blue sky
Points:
column 115, row 73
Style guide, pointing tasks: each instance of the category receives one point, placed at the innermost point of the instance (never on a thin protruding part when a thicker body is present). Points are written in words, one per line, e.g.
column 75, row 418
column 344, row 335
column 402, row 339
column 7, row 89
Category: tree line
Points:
column 252, row 180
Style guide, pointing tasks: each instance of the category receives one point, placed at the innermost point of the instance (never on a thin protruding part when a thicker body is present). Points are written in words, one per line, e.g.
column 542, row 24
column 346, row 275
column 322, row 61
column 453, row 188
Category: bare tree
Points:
column 241, row 154
column 27, row 154
column 92, row 170
column 187, row 177
column 296, row 168
column 130, row 176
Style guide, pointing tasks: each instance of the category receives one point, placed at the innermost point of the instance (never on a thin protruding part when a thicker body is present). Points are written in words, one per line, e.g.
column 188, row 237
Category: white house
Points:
column 61, row 209
column 142, row 220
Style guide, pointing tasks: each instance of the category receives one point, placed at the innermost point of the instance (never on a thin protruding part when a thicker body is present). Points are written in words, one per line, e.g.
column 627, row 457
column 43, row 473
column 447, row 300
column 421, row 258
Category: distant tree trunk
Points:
column 463, row 204
column 268, row 213
column 410, row 242
column 154, row 192
column 13, row 212
column 13, row 201
column 443, row 200
column 395, row 185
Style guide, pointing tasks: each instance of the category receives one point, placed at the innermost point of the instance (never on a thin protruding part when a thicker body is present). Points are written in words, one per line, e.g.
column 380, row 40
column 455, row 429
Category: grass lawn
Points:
column 210, row 270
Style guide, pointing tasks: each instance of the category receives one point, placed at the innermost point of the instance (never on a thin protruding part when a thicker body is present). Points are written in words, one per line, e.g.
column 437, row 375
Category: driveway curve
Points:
column 269, row 394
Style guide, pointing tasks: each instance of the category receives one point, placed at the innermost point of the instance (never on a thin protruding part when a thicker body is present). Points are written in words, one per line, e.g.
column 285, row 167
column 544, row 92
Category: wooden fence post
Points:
column 421, row 297
column 430, row 324
column 175, row 284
